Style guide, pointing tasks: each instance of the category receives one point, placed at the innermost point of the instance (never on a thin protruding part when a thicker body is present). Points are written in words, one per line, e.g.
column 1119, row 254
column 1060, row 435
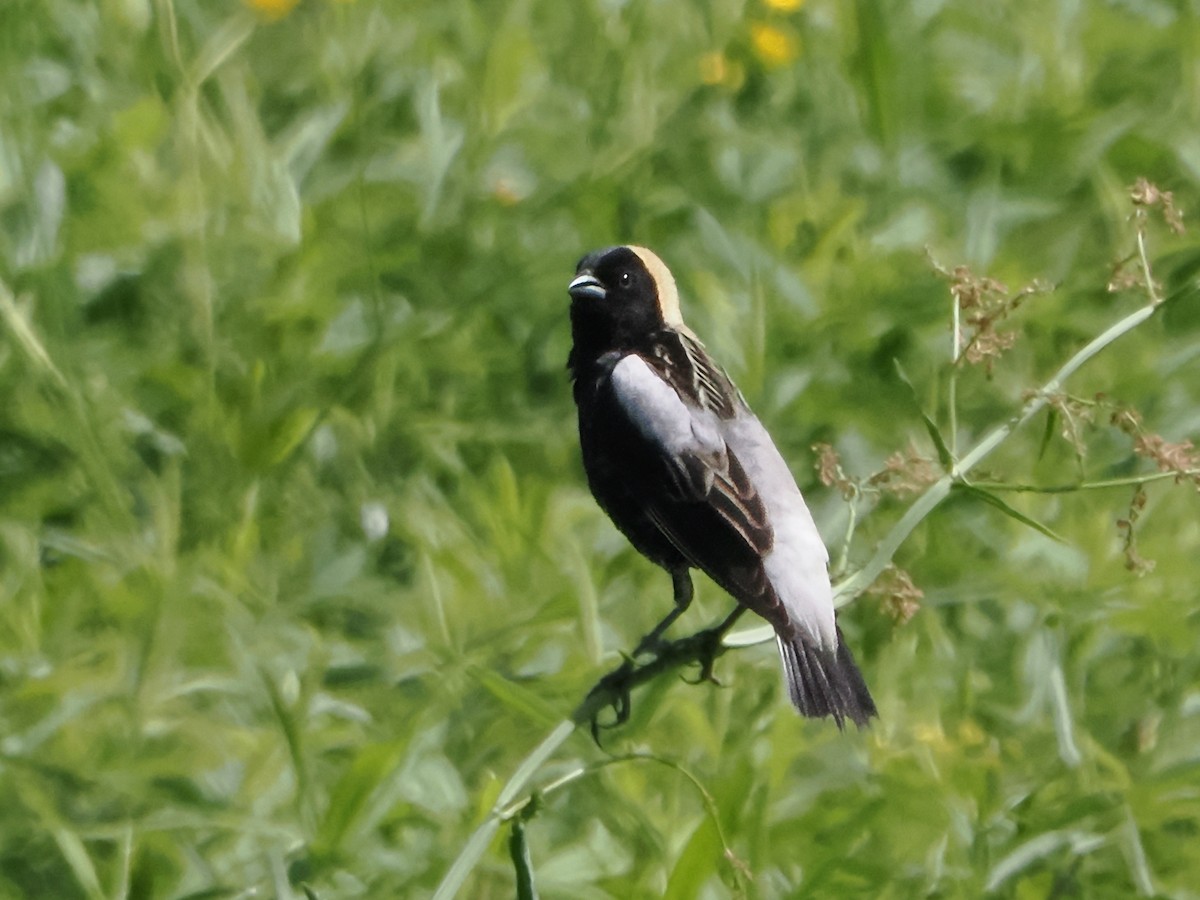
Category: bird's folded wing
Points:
column 708, row 507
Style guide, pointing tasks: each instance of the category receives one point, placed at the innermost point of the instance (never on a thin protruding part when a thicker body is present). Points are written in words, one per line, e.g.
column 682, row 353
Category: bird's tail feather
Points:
column 823, row 683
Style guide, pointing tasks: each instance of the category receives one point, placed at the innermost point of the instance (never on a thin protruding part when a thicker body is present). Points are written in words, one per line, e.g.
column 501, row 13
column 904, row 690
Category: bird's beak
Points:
column 586, row 285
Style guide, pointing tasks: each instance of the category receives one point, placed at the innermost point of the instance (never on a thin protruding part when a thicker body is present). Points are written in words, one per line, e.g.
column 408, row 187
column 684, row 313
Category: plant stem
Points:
column 1144, row 261
column 952, row 392
column 939, row 490
column 843, row 559
column 1130, row 481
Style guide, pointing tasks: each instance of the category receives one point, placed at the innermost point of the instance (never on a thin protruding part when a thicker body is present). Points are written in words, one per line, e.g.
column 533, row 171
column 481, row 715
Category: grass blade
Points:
column 992, row 500
column 945, row 457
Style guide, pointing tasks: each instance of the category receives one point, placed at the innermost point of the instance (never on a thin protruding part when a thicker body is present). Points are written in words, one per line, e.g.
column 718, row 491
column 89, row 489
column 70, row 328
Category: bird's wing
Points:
column 797, row 565
column 708, row 507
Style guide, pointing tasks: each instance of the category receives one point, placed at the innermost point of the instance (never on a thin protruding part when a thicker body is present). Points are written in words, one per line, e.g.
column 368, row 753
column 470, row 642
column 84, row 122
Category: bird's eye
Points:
column 626, row 279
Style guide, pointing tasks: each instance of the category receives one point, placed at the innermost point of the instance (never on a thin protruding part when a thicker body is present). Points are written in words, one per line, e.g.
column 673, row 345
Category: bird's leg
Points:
column 709, row 645
column 729, row 621
column 615, row 687
column 681, row 579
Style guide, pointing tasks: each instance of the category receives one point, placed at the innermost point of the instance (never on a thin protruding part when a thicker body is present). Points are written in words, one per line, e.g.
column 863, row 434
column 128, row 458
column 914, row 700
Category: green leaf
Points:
column 223, row 42
column 943, row 452
column 1039, row 848
column 265, row 445
column 371, row 769
column 511, row 74
column 514, row 696
column 1048, row 433
column 696, row 864
column 292, row 730
column 993, row 500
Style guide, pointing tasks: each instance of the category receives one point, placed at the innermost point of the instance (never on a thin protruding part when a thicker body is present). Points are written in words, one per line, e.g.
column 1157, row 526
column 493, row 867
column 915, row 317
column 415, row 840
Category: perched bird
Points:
column 688, row 473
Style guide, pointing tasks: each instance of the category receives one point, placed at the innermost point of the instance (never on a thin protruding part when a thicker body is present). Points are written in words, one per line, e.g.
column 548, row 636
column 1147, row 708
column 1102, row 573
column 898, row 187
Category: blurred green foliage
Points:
column 297, row 563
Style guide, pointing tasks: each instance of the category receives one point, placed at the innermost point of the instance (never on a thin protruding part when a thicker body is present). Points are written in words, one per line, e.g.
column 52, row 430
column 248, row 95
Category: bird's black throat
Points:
column 597, row 331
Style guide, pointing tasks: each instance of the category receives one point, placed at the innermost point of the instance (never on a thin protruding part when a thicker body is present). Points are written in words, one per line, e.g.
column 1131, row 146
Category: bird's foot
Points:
column 614, row 690
column 707, row 646
column 611, row 692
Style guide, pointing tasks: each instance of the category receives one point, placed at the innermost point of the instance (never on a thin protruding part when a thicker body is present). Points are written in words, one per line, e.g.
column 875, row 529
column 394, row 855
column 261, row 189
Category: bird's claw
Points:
column 614, row 690
column 706, row 675
column 615, row 685
column 708, row 645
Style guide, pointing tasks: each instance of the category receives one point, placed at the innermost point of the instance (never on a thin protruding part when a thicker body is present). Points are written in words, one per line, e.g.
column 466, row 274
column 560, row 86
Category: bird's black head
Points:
column 621, row 298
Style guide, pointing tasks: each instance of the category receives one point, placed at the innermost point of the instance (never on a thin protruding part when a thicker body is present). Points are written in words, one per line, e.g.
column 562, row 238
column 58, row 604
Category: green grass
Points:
column 297, row 562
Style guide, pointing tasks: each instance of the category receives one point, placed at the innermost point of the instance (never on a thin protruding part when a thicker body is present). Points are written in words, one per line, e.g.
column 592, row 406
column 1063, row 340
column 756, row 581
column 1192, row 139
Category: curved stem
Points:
column 1131, row 481
column 696, row 648
column 952, row 391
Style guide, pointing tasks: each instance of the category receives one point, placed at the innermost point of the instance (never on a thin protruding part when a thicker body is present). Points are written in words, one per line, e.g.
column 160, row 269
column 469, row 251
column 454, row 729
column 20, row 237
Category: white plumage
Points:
column 797, row 562
column 661, row 415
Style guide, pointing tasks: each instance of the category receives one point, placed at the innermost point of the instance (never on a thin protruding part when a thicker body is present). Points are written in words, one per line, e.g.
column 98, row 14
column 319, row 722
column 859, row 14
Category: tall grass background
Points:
column 297, row 562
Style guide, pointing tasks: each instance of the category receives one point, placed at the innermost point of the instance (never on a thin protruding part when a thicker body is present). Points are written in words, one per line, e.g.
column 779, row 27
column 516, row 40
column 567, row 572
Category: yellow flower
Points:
column 714, row 67
column 272, row 9
column 774, row 46
column 785, row 5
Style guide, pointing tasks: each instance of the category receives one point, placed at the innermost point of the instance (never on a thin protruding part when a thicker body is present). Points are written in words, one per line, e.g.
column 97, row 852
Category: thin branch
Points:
column 1130, row 481
column 843, row 560
column 1144, row 263
column 952, row 392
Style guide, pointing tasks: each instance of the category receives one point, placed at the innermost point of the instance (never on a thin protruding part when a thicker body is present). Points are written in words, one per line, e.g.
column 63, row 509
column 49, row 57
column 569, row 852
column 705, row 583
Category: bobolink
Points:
column 687, row 472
